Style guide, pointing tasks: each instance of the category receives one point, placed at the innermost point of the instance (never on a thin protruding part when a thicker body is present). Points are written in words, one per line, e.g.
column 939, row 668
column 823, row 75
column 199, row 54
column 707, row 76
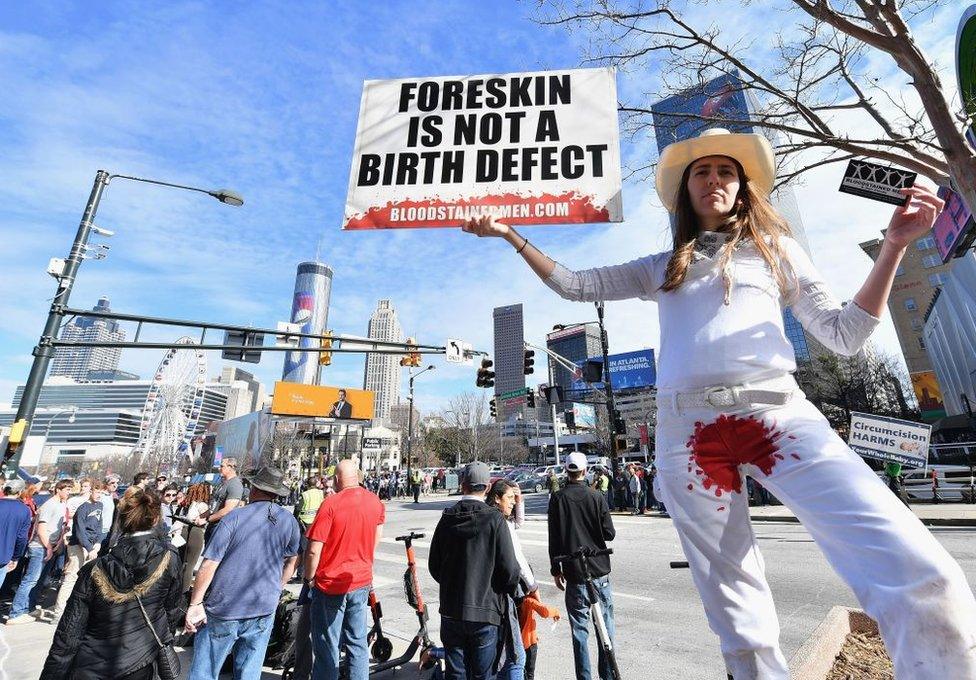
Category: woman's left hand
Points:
column 916, row 217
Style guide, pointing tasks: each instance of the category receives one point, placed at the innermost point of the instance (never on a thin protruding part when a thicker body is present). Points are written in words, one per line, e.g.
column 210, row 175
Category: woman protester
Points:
column 191, row 515
column 728, row 405
column 120, row 613
column 507, row 497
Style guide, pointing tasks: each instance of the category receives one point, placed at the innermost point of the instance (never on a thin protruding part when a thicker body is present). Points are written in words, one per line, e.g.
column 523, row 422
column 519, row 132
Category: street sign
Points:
column 521, row 392
column 459, row 352
column 372, row 443
column 284, row 339
column 890, row 439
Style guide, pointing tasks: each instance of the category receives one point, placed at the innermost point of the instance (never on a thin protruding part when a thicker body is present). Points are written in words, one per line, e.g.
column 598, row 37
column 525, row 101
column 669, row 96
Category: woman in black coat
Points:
column 103, row 634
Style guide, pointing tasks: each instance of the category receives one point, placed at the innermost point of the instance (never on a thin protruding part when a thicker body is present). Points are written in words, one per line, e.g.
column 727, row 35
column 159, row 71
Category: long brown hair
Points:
column 752, row 217
column 198, row 493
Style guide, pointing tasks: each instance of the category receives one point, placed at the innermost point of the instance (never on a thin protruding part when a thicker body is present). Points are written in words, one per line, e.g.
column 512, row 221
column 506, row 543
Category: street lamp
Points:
column 44, row 351
column 413, row 376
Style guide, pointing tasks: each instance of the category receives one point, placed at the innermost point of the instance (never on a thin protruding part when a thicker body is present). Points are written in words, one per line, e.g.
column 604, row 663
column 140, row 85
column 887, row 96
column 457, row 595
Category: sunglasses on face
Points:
column 169, row 495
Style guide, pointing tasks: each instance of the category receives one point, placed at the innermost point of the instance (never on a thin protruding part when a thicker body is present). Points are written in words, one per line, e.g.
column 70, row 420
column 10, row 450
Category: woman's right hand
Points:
column 486, row 225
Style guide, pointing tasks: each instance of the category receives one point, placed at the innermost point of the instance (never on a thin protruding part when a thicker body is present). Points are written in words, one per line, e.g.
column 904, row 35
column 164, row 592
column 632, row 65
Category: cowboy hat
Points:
column 268, row 479
column 754, row 153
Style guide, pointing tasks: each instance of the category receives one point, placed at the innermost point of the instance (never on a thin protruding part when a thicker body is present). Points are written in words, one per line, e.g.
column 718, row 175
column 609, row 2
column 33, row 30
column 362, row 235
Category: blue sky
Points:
column 263, row 98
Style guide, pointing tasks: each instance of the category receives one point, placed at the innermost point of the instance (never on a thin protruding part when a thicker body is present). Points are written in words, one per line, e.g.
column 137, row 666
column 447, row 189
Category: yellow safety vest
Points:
column 311, row 500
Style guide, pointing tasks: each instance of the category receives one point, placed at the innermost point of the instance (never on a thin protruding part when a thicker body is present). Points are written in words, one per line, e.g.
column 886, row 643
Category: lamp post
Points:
column 71, row 419
column 44, row 351
column 413, row 376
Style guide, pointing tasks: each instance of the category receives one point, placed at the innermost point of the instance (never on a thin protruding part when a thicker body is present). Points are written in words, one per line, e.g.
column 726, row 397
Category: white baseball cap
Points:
column 576, row 462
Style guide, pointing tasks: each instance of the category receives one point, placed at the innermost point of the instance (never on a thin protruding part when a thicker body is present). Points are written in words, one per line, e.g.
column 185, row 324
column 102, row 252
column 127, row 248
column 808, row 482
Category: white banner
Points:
column 529, row 148
column 890, row 439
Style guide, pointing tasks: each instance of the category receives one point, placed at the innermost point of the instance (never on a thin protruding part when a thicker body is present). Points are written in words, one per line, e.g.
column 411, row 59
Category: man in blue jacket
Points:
column 83, row 544
column 15, row 521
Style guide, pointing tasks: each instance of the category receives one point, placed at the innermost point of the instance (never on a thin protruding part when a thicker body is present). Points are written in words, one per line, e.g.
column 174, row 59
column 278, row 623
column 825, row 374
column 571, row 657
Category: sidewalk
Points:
column 941, row 514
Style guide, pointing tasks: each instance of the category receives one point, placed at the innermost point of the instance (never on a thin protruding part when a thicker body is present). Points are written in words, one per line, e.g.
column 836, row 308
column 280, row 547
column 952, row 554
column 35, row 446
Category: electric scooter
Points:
column 582, row 557
column 411, row 587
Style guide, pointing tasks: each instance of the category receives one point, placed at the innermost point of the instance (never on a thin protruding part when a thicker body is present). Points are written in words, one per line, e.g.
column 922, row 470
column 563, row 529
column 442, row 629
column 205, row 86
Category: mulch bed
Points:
column 863, row 657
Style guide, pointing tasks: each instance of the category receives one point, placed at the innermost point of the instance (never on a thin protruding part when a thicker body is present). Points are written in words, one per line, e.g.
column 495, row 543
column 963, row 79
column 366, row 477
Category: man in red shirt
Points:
column 342, row 542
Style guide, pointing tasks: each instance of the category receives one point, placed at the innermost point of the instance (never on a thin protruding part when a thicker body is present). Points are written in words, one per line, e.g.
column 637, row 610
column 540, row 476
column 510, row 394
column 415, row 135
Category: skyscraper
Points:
column 509, row 352
column 576, row 343
column 725, row 99
column 382, row 374
column 917, row 279
column 78, row 362
column 310, row 309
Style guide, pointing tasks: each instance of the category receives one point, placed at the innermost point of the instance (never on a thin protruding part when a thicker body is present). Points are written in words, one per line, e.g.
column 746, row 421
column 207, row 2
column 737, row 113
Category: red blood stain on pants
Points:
column 719, row 448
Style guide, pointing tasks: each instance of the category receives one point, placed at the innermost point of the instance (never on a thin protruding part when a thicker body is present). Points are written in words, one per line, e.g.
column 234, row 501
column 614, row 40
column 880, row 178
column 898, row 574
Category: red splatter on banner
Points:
column 719, row 448
column 566, row 208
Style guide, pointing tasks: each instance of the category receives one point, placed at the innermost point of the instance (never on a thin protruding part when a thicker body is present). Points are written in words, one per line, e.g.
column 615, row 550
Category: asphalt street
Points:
column 660, row 624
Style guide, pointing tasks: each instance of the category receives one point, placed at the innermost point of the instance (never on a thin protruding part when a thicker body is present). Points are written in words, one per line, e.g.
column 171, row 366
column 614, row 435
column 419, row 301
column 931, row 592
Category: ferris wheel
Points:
column 173, row 404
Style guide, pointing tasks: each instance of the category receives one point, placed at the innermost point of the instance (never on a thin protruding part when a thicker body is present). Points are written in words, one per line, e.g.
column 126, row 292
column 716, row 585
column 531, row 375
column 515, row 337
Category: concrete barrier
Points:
column 815, row 658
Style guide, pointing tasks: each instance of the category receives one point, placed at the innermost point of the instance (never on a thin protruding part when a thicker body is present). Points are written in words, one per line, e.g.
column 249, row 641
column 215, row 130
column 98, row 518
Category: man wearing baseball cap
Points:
column 580, row 518
column 472, row 558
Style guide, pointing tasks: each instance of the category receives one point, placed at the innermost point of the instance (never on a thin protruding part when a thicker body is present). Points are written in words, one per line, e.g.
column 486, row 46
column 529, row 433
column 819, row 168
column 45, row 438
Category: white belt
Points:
column 727, row 396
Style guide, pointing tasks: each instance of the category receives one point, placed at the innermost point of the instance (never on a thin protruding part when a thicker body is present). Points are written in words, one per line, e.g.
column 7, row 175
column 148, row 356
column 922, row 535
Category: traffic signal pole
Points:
column 44, row 350
column 611, row 406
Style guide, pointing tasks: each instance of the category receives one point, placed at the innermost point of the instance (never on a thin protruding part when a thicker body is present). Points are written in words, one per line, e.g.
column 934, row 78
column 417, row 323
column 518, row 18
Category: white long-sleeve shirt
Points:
column 514, row 523
column 705, row 342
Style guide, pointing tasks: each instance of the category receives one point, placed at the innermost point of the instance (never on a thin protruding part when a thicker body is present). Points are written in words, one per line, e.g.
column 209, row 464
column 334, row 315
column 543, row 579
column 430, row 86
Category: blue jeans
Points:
column 578, row 608
column 340, row 622
column 26, row 596
column 514, row 666
column 469, row 649
column 247, row 638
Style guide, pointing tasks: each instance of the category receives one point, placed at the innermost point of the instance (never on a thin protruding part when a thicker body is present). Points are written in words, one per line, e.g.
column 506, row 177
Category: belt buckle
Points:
column 720, row 396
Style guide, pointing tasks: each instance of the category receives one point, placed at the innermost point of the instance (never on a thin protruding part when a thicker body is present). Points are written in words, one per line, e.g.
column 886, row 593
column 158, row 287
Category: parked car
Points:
column 529, row 482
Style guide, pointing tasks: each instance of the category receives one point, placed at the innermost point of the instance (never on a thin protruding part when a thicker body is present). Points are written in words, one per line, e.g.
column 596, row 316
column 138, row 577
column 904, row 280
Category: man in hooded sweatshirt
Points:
column 472, row 559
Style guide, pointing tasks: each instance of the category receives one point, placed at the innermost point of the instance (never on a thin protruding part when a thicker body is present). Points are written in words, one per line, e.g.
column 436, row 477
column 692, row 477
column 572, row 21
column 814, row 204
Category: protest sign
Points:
column 889, row 439
column 877, row 182
column 528, row 148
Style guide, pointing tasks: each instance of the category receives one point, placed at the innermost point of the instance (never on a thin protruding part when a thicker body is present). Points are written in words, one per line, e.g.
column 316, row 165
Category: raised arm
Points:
column 632, row 279
column 907, row 224
column 845, row 328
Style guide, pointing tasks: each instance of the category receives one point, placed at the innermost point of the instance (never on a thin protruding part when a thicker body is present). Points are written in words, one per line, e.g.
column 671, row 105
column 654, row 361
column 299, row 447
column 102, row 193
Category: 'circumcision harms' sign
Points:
column 528, row 148
column 890, row 439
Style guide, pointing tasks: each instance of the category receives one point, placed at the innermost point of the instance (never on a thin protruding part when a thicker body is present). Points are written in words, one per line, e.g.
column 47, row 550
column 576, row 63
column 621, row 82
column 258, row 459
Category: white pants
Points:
column 900, row 573
column 75, row 559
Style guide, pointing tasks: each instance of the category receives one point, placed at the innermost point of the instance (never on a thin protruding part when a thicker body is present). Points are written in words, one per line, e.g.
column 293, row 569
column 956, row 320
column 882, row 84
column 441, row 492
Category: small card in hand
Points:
column 877, row 182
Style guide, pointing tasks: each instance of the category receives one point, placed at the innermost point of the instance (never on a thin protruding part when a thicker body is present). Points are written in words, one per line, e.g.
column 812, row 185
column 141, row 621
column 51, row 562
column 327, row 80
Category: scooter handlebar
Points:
column 413, row 535
column 583, row 552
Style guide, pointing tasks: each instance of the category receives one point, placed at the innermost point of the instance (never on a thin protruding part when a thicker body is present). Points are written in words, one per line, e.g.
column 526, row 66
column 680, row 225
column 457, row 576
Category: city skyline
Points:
column 285, row 144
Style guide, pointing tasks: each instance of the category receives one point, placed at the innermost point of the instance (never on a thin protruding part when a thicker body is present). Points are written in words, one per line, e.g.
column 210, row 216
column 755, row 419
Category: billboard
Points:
column 889, row 439
column 584, row 416
column 530, row 148
column 627, row 371
column 296, row 399
column 929, row 395
column 243, row 438
column 954, row 227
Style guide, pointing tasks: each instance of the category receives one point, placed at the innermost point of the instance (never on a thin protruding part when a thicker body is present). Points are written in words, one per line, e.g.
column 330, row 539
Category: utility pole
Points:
column 611, row 407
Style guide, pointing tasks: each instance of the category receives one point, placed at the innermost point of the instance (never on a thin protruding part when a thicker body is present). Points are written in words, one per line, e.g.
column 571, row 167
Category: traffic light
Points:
column 325, row 358
column 530, row 398
column 619, row 424
column 411, row 358
column 486, row 377
column 494, row 411
column 529, row 362
column 593, row 371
